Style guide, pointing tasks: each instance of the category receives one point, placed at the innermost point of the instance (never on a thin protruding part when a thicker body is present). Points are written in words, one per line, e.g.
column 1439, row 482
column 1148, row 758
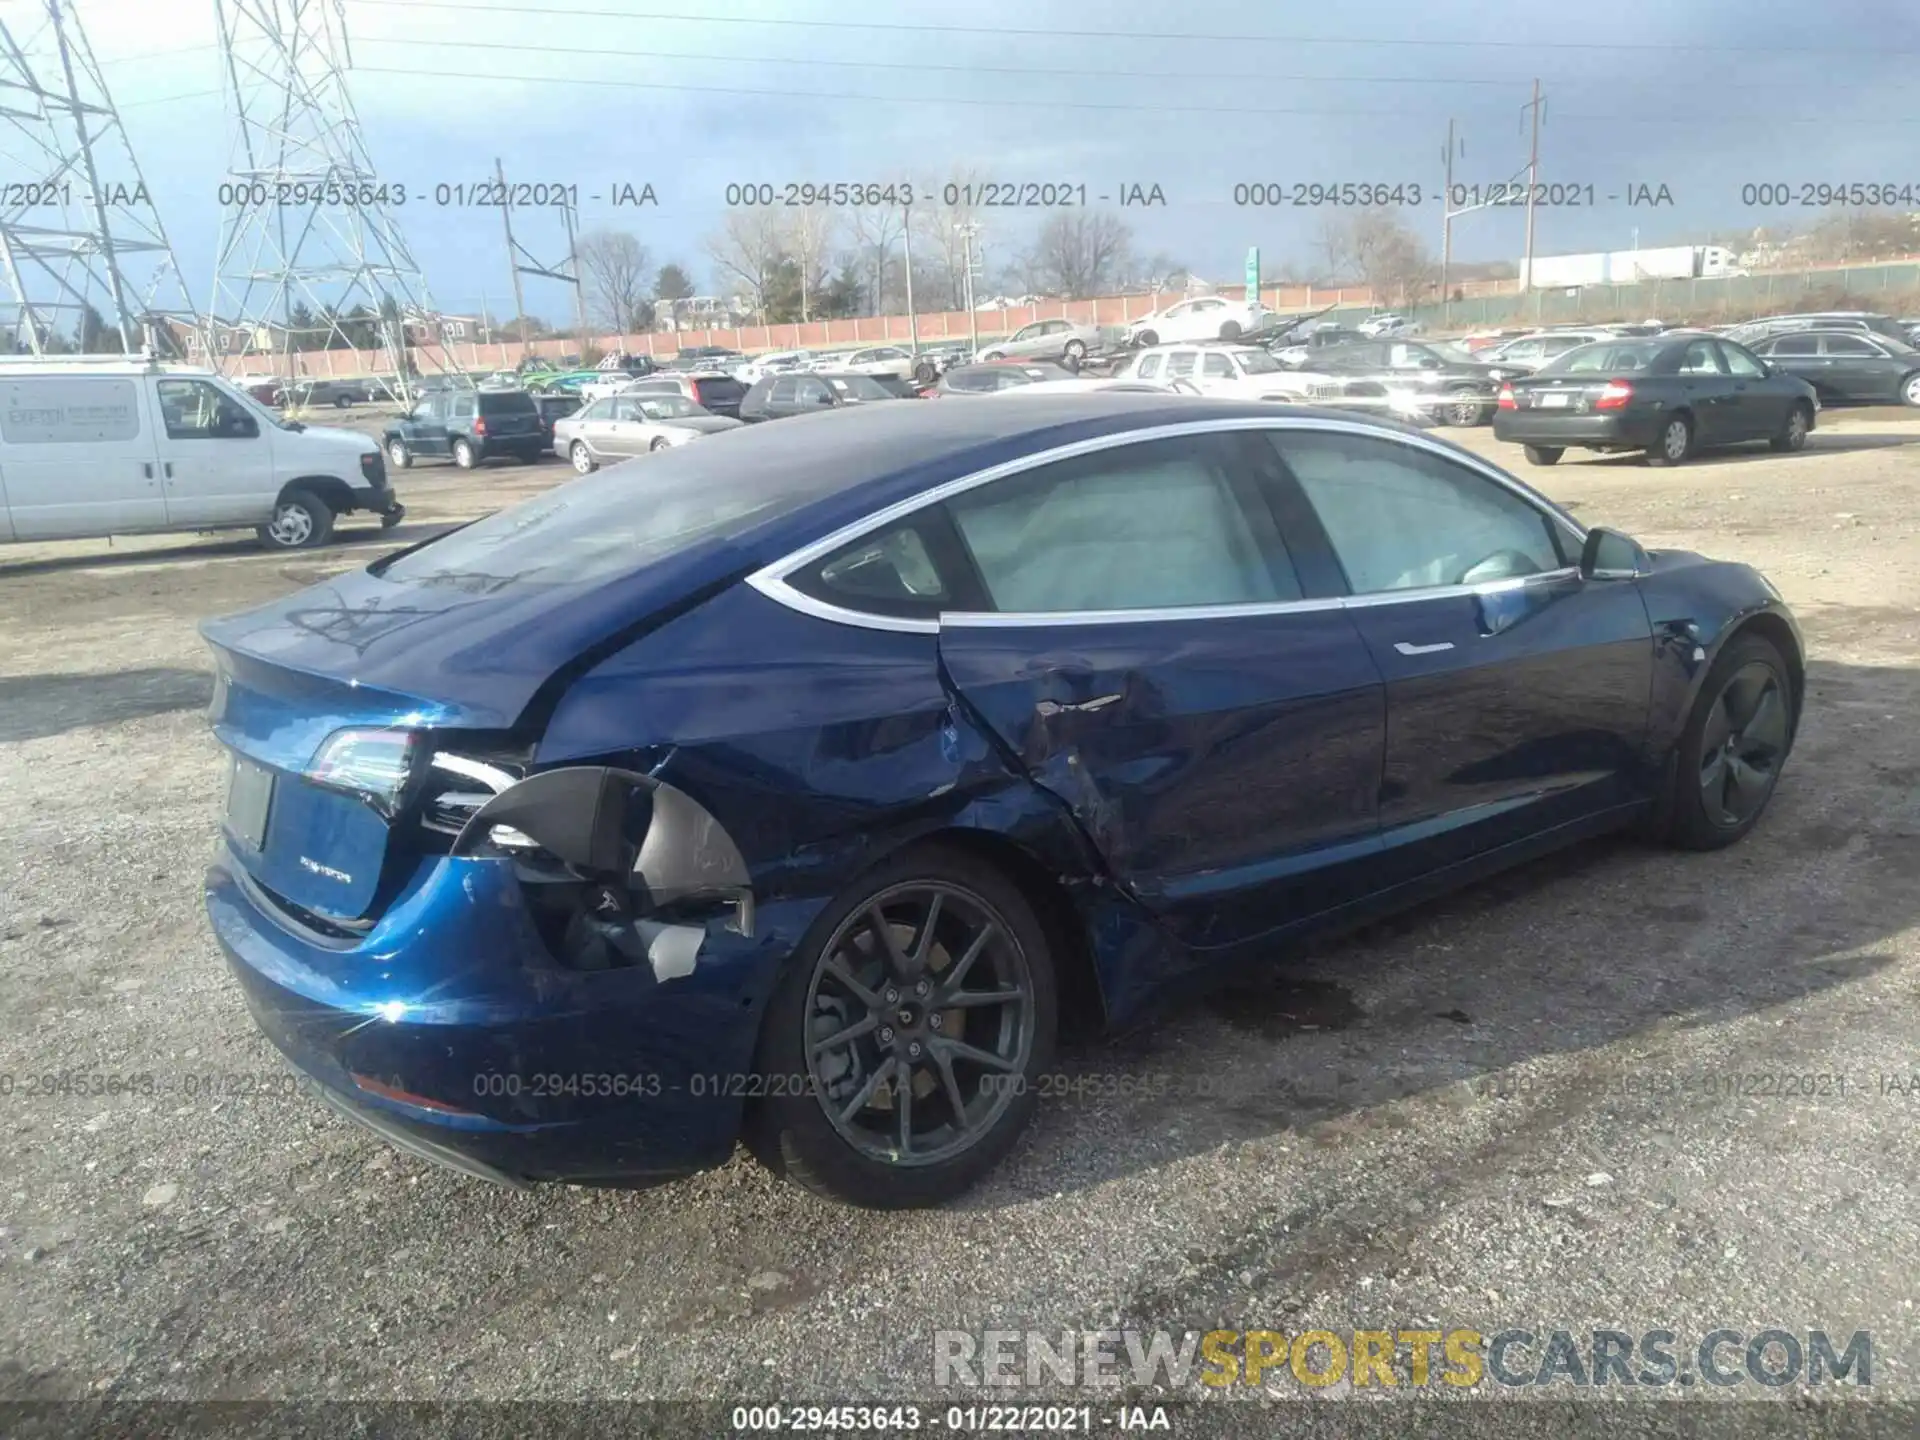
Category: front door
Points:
column 1517, row 693
column 1150, row 659
column 426, row 428
column 1760, row 401
column 216, row 461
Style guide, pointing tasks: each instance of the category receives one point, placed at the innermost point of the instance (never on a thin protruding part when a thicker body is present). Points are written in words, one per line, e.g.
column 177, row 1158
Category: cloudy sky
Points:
column 1700, row 96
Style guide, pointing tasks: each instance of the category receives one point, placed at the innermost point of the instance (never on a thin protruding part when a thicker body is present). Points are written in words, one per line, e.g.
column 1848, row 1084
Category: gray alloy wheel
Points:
column 1793, row 435
column 1675, row 442
column 1464, row 410
column 1910, row 391
column 398, row 455
column 582, row 458
column 463, row 455
column 300, row 521
column 920, row 1002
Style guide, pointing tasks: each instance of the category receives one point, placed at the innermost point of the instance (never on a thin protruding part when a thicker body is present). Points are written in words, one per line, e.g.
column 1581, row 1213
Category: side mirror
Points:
column 1609, row 555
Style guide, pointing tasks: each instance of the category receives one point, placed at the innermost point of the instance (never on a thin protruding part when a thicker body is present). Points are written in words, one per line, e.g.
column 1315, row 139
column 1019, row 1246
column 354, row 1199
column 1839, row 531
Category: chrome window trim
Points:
column 772, row 580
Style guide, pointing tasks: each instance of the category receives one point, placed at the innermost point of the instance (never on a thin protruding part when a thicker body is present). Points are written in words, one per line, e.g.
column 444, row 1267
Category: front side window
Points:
column 1218, row 366
column 1702, row 357
column 1402, row 518
column 813, row 392
column 1154, row 525
column 1149, row 366
column 783, row 391
column 601, row 409
column 201, row 410
column 1181, row 363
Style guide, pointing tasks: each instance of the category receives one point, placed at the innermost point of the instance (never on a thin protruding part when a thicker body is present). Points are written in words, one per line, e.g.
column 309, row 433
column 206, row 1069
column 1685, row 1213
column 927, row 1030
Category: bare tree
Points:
column 810, row 237
column 875, row 228
column 614, row 269
column 1334, row 244
column 1081, row 252
column 939, row 245
column 749, row 248
column 1383, row 249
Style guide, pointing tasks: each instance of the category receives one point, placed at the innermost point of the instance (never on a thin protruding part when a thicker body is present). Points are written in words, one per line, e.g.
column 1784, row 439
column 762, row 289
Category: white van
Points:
column 113, row 445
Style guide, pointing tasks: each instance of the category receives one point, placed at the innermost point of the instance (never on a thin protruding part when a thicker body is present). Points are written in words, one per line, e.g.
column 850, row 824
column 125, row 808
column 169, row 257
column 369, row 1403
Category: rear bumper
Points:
column 1626, row 430
column 449, row 1030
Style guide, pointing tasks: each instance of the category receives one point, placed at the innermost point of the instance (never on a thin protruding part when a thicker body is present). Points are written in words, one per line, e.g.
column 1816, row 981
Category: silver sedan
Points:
column 619, row 427
column 1066, row 340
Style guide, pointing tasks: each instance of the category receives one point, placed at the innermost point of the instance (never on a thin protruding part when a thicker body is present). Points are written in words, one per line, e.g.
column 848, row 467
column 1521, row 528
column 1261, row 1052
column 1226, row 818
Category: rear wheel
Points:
column 1675, row 443
column 1146, row 338
column 1735, row 743
column 1793, row 434
column 464, row 455
column 911, row 1022
column 659, row 444
column 1076, row 351
column 1545, row 454
column 300, row 521
column 342, row 401
column 1910, row 389
column 582, row 458
column 1230, row 330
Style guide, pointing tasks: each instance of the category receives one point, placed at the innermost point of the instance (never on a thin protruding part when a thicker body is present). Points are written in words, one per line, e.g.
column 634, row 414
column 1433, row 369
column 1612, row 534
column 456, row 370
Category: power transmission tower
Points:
column 80, row 239
column 522, row 261
column 310, row 255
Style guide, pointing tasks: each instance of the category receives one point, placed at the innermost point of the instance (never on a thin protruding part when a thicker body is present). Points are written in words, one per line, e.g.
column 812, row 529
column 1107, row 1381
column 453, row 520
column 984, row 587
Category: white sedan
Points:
column 1240, row 372
column 874, row 360
column 1207, row 317
column 618, row 427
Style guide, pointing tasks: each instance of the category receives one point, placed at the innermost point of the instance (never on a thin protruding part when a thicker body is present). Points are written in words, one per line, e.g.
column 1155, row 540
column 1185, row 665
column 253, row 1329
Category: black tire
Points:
column 1230, row 330
column 1146, row 338
column 341, row 402
column 464, row 455
column 1674, row 447
column 1544, row 454
column 1076, row 351
column 659, row 444
column 925, row 374
column 301, row 521
column 1793, row 434
column 1725, row 722
column 1464, row 410
column 791, row 1132
column 398, row 455
column 989, row 356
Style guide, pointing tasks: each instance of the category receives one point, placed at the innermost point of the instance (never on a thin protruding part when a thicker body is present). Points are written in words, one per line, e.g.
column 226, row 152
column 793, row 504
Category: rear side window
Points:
column 1155, row 525
column 891, row 573
column 1795, row 345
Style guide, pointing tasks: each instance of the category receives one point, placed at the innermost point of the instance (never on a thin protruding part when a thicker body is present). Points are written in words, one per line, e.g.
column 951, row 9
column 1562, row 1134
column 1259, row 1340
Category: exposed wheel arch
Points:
column 1777, row 632
column 330, row 488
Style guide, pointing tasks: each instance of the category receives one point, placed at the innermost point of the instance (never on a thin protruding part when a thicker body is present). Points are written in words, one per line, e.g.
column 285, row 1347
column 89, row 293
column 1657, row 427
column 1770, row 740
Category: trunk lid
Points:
column 1559, row 394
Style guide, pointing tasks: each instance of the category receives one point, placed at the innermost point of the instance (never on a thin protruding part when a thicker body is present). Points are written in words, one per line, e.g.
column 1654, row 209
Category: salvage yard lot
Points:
column 1527, row 1105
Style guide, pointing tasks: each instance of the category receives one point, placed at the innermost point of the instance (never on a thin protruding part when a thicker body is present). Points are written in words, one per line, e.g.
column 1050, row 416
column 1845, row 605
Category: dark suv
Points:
column 468, row 427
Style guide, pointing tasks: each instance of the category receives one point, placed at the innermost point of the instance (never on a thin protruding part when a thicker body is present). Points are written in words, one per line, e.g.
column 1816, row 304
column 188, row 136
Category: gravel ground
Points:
column 1510, row 1108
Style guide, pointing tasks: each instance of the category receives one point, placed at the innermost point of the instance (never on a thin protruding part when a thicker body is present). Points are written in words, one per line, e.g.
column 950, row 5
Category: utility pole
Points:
column 967, row 233
column 1446, row 229
column 570, row 220
column 1534, row 107
column 906, row 239
column 513, row 257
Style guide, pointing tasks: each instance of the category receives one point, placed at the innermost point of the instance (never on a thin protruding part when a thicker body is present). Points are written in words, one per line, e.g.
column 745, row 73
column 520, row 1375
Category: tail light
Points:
column 479, row 424
column 694, row 386
column 1614, row 395
column 1507, row 402
column 373, row 764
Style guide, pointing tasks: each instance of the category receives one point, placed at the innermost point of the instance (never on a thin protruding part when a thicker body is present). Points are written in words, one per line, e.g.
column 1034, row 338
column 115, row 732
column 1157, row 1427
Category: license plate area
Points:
column 1555, row 400
column 249, row 799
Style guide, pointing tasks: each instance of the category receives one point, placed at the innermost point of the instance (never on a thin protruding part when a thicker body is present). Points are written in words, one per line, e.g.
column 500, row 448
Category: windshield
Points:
column 1606, row 355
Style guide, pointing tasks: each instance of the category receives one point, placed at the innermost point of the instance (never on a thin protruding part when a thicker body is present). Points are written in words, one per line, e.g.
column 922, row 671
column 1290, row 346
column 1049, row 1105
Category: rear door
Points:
column 78, row 456
column 1517, row 693
column 1761, row 401
column 1149, row 656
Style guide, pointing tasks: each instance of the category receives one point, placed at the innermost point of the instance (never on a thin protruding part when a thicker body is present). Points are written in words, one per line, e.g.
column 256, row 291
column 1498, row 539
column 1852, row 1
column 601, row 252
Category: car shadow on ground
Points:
column 228, row 547
column 1612, row 943
column 33, row 707
column 1818, row 444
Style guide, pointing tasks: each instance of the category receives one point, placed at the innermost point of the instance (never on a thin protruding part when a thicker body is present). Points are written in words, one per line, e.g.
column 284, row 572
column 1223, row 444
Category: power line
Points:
column 1121, row 107
column 1209, row 76
column 552, row 12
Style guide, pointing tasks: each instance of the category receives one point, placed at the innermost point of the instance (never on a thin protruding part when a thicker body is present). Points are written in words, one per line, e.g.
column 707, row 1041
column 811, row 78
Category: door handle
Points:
column 146, row 468
column 1405, row 649
column 167, row 466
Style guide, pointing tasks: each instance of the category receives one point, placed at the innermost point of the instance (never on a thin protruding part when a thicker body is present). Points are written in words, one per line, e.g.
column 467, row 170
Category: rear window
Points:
column 718, row 389
column 1634, row 355
column 595, row 528
column 507, row 402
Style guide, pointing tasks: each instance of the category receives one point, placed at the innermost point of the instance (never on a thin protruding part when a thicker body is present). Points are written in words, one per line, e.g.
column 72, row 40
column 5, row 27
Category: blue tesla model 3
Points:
column 802, row 785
